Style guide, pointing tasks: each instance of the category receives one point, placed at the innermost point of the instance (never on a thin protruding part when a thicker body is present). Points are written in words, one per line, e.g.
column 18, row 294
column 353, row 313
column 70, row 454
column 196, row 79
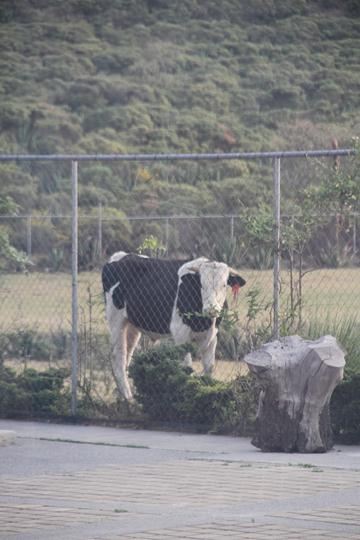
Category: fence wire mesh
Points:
column 231, row 221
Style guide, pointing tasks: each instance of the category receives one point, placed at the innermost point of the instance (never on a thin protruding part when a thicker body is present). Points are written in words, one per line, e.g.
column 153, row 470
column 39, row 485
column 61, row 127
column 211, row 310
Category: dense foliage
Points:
column 345, row 410
column 168, row 392
column 33, row 393
column 27, row 344
column 155, row 76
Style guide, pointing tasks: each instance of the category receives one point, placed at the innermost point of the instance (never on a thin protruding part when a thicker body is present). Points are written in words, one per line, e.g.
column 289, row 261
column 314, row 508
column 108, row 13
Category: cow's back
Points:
column 146, row 288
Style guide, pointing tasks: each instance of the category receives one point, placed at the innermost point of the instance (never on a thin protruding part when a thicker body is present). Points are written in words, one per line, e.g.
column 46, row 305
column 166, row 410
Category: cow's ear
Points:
column 235, row 279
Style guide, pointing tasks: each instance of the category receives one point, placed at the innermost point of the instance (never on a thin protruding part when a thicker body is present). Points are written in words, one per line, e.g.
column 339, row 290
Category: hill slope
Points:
column 157, row 76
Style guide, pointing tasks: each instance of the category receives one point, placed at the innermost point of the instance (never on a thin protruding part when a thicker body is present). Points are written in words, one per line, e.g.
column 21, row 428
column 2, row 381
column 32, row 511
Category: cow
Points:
column 157, row 297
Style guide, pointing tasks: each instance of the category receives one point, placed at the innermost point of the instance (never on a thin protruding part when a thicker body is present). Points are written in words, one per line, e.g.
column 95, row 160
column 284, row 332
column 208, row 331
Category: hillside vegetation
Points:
column 156, row 76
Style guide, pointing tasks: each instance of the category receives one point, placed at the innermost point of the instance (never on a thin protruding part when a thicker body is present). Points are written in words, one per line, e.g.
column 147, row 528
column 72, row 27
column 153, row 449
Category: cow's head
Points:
column 215, row 277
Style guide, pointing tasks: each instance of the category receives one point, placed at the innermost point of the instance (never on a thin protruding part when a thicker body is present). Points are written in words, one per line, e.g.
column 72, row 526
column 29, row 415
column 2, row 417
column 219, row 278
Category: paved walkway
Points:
column 84, row 482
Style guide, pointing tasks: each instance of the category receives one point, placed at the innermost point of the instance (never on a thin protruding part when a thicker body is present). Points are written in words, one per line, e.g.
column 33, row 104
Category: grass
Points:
column 224, row 370
column 43, row 300
column 335, row 293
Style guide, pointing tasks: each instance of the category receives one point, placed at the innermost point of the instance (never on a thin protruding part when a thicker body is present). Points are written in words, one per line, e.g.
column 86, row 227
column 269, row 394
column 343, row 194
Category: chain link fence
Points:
column 318, row 285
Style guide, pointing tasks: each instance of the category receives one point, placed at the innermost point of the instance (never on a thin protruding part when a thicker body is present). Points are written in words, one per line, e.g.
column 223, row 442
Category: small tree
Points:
column 295, row 235
column 338, row 193
column 152, row 247
column 259, row 233
column 9, row 255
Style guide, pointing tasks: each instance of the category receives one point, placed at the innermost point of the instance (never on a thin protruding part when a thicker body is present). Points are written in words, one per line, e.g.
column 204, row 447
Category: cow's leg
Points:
column 208, row 356
column 181, row 334
column 207, row 348
column 118, row 332
column 133, row 336
column 188, row 360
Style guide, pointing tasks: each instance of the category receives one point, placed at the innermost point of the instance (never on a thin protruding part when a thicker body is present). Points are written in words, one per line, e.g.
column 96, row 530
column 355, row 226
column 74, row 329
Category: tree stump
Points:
column 297, row 378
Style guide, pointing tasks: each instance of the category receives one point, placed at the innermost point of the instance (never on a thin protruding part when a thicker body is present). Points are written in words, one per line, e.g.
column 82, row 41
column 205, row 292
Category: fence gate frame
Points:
column 74, row 159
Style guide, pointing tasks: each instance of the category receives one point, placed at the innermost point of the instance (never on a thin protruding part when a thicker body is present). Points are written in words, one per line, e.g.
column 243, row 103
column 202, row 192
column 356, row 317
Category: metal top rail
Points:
column 170, row 217
column 170, row 157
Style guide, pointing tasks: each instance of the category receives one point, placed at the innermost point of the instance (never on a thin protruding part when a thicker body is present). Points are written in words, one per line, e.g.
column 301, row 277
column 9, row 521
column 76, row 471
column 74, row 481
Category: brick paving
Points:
column 141, row 493
column 217, row 531
column 187, row 482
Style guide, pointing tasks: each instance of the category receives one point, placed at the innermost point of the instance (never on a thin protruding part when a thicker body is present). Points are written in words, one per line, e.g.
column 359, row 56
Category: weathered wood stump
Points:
column 297, row 379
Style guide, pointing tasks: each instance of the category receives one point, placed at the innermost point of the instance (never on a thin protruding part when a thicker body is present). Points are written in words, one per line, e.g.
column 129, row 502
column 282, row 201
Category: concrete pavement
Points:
column 86, row 482
column 7, row 437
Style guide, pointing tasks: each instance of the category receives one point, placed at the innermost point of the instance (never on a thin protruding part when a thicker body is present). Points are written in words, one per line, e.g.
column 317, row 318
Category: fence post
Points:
column 167, row 236
column 232, row 228
column 277, row 247
column 74, row 286
column 100, row 248
column 354, row 235
column 28, row 237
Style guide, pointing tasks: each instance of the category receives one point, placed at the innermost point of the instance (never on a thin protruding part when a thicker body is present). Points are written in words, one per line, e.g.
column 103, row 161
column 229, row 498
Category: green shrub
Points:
column 33, row 393
column 160, row 381
column 345, row 410
column 29, row 343
column 346, row 331
column 169, row 392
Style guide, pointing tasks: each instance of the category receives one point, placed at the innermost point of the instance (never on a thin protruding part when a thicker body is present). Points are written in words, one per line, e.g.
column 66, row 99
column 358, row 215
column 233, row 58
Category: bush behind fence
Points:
column 46, row 239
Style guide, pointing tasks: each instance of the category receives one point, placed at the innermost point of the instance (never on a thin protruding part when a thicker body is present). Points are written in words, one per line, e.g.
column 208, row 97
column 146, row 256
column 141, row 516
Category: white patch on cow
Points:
column 117, row 256
column 187, row 360
column 191, row 267
column 120, row 254
column 109, row 295
column 118, row 335
column 180, row 332
column 205, row 338
column 213, row 278
column 133, row 337
column 208, row 355
column 112, row 312
column 111, row 290
column 207, row 342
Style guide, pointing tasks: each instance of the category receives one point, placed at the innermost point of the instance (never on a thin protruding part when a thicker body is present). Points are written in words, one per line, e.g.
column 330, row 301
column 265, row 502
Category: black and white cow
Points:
column 157, row 297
